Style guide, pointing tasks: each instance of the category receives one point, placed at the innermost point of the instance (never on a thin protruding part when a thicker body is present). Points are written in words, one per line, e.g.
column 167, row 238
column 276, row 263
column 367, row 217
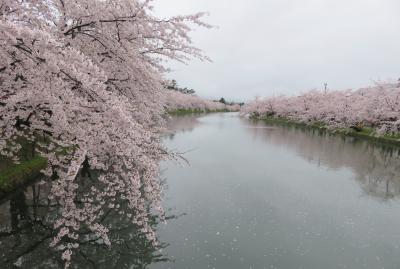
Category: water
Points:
column 254, row 196
column 264, row 196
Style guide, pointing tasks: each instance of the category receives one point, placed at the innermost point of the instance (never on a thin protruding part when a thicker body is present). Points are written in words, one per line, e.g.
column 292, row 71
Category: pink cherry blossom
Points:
column 82, row 80
column 177, row 100
column 376, row 107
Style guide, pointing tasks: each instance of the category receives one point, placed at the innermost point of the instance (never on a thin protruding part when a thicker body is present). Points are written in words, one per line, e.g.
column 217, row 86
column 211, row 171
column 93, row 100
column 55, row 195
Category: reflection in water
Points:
column 182, row 124
column 255, row 196
column 265, row 196
column 26, row 231
column 376, row 167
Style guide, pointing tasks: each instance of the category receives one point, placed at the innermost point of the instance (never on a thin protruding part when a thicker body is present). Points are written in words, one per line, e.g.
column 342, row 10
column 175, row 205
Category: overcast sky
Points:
column 266, row 47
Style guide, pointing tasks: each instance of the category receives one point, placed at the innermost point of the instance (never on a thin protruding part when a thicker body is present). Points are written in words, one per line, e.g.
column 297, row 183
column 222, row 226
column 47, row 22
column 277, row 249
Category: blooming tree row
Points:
column 377, row 107
column 176, row 100
column 82, row 80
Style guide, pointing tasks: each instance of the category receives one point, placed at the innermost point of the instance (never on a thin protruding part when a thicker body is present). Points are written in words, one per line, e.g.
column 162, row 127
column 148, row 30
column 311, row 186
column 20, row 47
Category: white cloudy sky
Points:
column 266, row 47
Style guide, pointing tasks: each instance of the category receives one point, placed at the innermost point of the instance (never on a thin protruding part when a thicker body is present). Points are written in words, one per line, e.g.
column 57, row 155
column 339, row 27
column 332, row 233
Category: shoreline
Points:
column 184, row 111
column 364, row 133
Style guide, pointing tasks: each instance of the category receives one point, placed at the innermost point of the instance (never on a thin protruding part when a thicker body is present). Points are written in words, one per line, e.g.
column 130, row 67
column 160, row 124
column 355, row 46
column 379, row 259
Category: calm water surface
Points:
column 260, row 196
column 254, row 196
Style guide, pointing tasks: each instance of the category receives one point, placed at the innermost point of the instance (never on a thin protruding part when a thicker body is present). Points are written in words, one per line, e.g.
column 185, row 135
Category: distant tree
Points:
column 222, row 100
column 173, row 85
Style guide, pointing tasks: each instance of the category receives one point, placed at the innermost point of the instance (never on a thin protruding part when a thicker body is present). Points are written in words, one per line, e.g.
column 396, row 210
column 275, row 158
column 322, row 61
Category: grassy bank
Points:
column 13, row 176
column 363, row 133
column 184, row 111
column 16, row 175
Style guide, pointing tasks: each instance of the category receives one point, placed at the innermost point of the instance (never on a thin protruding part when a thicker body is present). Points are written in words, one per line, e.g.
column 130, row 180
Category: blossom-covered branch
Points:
column 82, row 80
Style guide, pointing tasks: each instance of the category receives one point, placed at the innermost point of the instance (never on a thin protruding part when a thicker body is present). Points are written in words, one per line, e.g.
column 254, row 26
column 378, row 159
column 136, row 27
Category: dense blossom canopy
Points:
column 176, row 100
column 377, row 107
column 82, row 80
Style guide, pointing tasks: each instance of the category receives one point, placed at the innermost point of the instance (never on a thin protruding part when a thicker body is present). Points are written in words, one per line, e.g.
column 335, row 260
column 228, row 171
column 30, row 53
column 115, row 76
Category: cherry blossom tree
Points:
column 82, row 81
column 176, row 100
column 376, row 107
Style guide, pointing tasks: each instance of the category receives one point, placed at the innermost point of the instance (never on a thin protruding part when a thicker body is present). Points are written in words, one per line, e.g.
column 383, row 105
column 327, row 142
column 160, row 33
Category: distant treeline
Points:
column 173, row 86
column 178, row 99
column 374, row 109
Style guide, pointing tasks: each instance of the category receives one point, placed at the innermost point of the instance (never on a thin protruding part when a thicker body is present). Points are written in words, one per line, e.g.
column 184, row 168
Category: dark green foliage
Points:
column 18, row 174
column 173, row 86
